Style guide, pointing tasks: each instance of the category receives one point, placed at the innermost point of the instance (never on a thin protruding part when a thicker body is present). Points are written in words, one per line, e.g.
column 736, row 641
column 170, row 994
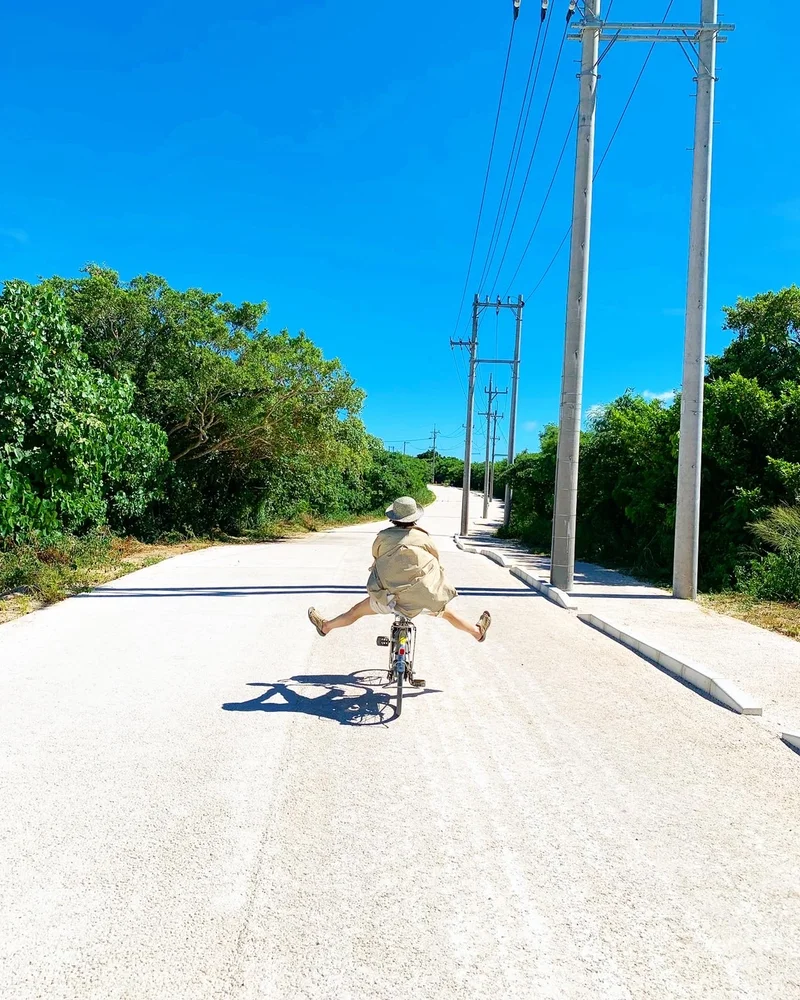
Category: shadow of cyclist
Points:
column 363, row 706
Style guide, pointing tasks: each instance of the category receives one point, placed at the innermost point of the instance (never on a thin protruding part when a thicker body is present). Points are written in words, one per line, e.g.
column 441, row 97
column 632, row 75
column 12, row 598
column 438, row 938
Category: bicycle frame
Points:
column 402, row 645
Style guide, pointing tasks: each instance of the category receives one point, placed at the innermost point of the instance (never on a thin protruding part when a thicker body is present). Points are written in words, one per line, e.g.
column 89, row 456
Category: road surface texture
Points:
column 764, row 664
column 199, row 800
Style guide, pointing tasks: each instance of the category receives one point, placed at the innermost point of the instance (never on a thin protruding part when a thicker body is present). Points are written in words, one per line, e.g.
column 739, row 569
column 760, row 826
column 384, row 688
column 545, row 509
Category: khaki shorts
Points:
column 383, row 603
column 386, row 604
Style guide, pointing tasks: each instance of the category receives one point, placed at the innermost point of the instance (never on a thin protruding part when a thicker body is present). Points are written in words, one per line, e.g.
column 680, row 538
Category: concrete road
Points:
column 199, row 800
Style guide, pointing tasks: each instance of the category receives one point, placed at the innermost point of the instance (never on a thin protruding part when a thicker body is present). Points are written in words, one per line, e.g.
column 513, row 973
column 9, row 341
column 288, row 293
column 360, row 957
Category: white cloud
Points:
column 662, row 397
column 530, row 426
column 18, row 235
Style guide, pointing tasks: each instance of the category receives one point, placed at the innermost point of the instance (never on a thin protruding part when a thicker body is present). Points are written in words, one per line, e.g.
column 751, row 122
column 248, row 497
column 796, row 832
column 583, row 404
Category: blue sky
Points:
column 329, row 158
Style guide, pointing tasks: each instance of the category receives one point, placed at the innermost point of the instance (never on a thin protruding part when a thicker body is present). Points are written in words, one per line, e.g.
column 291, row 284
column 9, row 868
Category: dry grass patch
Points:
column 32, row 578
column 773, row 615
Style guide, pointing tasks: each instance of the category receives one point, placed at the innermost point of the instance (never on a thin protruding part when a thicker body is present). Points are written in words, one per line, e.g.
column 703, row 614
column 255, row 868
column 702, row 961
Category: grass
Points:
column 776, row 616
column 32, row 577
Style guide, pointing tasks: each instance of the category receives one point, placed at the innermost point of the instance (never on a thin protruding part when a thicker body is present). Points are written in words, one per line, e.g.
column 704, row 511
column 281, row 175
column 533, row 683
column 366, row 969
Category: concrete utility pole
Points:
column 512, row 427
column 473, row 351
column 690, row 452
column 474, row 361
column 496, row 417
column 492, row 394
column 590, row 32
column 433, row 459
column 565, row 508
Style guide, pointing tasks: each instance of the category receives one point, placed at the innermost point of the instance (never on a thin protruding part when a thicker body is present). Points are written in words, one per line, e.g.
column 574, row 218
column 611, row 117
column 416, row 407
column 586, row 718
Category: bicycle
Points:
column 402, row 643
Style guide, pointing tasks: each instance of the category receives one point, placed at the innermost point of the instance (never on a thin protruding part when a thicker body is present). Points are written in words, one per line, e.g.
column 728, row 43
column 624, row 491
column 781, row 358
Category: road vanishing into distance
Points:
column 202, row 799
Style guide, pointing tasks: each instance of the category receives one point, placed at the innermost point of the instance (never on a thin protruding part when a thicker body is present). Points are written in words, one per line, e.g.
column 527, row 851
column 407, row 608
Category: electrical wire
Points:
column 516, row 145
column 458, row 371
column 609, row 143
column 486, row 178
column 545, row 200
column 530, row 161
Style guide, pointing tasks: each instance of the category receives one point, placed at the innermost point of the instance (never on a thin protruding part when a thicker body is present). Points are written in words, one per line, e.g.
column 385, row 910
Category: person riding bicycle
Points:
column 406, row 578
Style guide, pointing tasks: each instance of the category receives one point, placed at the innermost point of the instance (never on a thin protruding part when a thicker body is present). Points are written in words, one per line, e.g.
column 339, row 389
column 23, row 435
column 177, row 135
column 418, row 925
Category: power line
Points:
column 516, row 147
column 486, row 178
column 608, row 145
column 546, row 198
column 458, row 370
column 530, row 161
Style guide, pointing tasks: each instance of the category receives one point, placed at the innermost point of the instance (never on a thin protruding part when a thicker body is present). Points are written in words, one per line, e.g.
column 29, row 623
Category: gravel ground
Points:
column 200, row 801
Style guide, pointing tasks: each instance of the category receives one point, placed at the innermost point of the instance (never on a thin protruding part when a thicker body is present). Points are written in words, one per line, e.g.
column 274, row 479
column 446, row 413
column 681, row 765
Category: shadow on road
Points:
column 281, row 590
column 349, row 699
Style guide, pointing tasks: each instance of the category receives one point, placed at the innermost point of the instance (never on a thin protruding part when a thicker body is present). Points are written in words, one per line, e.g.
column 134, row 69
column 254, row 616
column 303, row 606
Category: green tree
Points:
column 72, row 454
column 767, row 343
column 205, row 370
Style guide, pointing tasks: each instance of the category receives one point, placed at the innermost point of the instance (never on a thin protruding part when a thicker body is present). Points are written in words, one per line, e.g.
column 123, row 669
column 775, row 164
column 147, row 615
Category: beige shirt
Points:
column 407, row 568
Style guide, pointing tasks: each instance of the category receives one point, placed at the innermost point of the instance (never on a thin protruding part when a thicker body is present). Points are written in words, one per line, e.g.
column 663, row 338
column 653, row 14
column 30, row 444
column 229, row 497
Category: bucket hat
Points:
column 405, row 510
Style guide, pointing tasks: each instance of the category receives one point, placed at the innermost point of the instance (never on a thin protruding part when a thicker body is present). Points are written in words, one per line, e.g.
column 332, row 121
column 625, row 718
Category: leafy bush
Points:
column 72, row 454
column 629, row 453
column 774, row 577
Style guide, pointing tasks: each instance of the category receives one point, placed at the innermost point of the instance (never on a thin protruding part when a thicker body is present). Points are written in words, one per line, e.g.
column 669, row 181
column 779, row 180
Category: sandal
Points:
column 317, row 621
column 483, row 624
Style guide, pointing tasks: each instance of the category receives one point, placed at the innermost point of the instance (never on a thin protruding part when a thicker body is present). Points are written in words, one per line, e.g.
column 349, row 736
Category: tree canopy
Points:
column 629, row 456
column 152, row 409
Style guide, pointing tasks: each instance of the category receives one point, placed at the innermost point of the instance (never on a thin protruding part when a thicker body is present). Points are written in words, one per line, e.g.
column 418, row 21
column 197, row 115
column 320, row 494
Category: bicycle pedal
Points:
column 418, row 682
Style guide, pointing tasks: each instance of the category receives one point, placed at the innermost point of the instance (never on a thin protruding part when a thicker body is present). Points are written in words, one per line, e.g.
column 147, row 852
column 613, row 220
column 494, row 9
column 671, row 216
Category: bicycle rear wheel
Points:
column 399, row 703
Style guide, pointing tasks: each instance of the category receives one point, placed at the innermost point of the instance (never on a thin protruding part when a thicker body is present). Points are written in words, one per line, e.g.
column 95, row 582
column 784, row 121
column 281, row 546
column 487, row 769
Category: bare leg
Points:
column 349, row 617
column 461, row 623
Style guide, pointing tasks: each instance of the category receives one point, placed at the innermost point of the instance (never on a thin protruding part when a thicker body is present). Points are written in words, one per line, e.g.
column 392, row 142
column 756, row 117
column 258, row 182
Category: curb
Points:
column 559, row 597
column 793, row 739
column 698, row 676
column 496, row 557
column 553, row 594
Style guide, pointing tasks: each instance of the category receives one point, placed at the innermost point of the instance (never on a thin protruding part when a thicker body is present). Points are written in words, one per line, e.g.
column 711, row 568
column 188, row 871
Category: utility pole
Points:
column 512, row 426
column 496, row 417
column 433, row 460
column 690, row 450
column 565, row 506
column 492, row 394
column 474, row 361
column 590, row 32
column 473, row 352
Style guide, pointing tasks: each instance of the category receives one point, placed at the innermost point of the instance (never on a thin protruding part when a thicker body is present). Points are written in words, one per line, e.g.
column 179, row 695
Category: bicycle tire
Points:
column 399, row 701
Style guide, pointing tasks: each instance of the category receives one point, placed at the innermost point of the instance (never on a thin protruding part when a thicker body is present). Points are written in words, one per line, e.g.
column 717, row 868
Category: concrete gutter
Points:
column 719, row 688
column 460, row 544
column 559, row 597
column 793, row 739
column 553, row 594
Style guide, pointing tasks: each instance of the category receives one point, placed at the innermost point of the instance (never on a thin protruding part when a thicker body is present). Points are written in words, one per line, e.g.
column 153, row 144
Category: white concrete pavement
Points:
column 194, row 804
column 763, row 664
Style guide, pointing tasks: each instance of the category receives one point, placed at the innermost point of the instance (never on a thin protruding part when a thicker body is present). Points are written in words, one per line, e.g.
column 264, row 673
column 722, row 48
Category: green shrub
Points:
column 774, row 577
column 72, row 453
